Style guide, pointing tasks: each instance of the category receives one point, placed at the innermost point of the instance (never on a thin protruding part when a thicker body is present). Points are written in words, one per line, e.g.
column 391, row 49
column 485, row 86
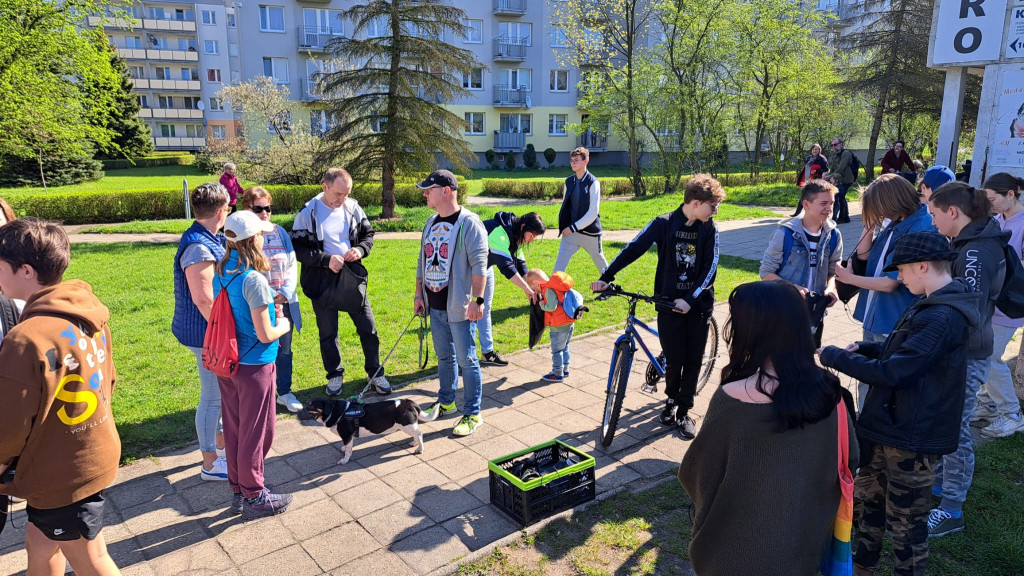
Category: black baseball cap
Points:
column 921, row 247
column 439, row 178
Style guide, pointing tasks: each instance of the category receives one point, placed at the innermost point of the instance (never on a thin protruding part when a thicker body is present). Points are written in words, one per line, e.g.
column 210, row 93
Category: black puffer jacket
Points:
column 917, row 375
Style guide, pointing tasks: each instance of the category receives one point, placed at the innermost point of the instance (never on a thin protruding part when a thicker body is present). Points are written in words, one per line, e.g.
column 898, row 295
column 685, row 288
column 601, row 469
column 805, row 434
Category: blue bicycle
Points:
column 622, row 359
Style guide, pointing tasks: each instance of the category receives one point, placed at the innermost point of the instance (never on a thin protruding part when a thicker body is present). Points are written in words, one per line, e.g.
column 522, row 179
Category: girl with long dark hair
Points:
column 765, row 459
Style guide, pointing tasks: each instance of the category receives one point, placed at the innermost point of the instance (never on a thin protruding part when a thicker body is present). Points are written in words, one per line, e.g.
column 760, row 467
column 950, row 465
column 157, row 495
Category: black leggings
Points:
column 683, row 339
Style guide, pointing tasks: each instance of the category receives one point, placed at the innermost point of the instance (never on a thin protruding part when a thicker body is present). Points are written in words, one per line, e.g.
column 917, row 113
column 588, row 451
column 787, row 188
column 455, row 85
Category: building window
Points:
column 556, row 124
column 162, row 73
column 136, row 72
column 378, row 27
column 143, row 101
column 239, row 131
column 276, row 68
column 378, row 124
column 516, row 31
column 474, row 79
column 167, row 130
column 186, row 74
column 474, row 123
column 213, row 75
column 193, row 131
column 211, row 46
column 287, row 124
column 558, row 38
column 209, row 17
column 231, row 20
column 518, row 78
column 271, row 19
column 559, row 80
column 218, row 132
column 518, row 123
column 165, row 102
column 132, row 42
column 191, row 102
column 216, row 104
column 320, row 121
column 474, row 32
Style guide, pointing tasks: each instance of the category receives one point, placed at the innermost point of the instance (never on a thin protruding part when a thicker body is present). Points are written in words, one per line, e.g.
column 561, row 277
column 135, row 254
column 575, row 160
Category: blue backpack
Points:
column 573, row 304
column 788, row 240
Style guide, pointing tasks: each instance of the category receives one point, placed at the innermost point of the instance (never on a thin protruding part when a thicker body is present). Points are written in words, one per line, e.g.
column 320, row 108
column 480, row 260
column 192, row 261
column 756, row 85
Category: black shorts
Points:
column 83, row 519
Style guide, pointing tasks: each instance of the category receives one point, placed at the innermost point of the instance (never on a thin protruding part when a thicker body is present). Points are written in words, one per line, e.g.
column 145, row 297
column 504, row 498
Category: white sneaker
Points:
column 290, row 402
column 334, row 386
column 381, row 385
column 217, row 472
column 1004, row 426
column 984, row 412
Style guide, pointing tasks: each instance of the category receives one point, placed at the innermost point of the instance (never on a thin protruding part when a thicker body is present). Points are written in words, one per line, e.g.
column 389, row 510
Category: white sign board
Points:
column 1015, row 36
column 1008, row 135
column 968, row 31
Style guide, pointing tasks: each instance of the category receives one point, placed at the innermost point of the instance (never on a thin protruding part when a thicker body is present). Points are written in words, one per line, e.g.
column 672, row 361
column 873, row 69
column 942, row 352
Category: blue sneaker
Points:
column 552, row 377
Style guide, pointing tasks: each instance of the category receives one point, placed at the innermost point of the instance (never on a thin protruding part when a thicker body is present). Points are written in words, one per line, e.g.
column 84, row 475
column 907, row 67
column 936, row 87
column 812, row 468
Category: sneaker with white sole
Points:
column 1003, row 426
column 217, row 472
column 492, row 359
column 290, row 402
column 334, row 385
column 984, row 413
column 264, row 504
column 941, row 523
column 381, row 385
column 468, row 425
column 442, row 410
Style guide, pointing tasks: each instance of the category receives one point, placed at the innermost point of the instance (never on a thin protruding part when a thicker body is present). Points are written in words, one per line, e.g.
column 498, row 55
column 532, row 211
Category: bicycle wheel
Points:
column 710, row 356
column 617, row 381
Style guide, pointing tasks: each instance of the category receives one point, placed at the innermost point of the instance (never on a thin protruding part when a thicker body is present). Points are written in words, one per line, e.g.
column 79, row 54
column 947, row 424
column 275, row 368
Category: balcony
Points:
column 314, row 38
column 308, row 91
column 844, row 11
column 164, row 143
column 510, row 7
column 171, row 113
column 145, row 84
column 173, row 55
column 509, row 141
column 509, row 96
column 149, row 24
column 510, row 49
column 592, row 141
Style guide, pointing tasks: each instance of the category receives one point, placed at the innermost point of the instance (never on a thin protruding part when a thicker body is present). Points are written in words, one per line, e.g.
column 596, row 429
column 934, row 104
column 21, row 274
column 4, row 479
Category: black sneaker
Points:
column 686, row 426
column 668, row 415
column 492, row 359
column 236, row 503
column 265, row 504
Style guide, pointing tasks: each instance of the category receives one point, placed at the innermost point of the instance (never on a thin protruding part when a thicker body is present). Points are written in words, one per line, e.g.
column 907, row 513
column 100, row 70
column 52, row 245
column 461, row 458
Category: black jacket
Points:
column 576, row 203
column 509, row 262
column 917, row 375
column 982, row 263
column 307, row 239
column 663, row 231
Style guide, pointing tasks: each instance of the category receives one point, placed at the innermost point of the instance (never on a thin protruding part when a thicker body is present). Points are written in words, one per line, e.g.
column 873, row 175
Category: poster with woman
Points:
column 1008, row 148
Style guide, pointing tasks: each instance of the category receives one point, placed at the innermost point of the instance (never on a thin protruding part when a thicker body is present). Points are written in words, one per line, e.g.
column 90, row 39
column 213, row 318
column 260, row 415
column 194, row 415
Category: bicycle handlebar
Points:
column 616, row 290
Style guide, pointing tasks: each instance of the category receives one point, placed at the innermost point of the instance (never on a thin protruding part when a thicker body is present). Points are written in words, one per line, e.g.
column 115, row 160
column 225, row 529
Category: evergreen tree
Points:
column 393, row 122
column 132, row 137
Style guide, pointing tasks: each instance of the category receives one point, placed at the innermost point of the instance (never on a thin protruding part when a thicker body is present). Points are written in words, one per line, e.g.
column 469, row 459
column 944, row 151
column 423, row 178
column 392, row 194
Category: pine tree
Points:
column 132, row 136
column 392, row 123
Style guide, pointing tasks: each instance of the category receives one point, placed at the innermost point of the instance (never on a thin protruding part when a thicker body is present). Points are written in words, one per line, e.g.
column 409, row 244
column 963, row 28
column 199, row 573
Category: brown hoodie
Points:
column 56, row 378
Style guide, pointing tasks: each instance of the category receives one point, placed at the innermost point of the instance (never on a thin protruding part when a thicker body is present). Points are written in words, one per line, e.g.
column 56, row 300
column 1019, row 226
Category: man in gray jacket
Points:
column 842, row 164
column 450, row 280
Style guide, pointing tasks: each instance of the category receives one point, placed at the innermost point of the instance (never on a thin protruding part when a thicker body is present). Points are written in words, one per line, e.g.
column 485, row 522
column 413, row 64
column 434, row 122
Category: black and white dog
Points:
column 352, row 419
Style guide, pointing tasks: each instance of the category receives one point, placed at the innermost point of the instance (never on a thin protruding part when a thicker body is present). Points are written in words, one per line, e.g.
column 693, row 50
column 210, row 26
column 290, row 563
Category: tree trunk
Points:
column 876, row 128
column 41, row 175
column 387, row 164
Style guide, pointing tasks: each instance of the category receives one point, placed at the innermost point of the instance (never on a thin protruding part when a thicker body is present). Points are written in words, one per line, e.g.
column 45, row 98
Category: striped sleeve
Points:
column 712, row 270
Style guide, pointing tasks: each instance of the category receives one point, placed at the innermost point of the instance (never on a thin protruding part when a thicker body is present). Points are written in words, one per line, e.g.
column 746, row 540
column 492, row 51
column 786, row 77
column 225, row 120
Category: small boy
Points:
column 555, row 317
column 911, row 414
column 55, row 387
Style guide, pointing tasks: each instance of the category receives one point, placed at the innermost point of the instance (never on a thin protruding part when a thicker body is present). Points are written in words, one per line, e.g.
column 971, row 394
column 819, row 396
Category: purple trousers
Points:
column 249, row 415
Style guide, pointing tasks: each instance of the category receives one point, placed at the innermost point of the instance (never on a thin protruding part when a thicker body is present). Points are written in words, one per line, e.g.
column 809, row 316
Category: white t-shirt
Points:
column 335, row 225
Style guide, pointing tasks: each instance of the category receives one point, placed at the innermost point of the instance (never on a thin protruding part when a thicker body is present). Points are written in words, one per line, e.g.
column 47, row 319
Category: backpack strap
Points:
column 787, row 246
column 8, row 313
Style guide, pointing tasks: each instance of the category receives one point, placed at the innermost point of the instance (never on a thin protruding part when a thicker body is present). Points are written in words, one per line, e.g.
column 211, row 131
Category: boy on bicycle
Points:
column 687, row 240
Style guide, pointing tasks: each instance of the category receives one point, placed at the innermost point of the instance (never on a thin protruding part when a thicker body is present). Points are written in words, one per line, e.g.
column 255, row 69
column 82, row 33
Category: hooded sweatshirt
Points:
column 982, row 263
column 55, row 387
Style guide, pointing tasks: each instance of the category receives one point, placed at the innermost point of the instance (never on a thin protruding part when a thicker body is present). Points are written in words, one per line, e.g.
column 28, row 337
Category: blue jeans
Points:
column 483, row 326
column 284, row 357
column 455, row 349
column 560, row 350
column 955, row 472
column 208, row 422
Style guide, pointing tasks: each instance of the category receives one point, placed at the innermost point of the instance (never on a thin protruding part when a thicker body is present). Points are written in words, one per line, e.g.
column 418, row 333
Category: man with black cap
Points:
column 911, row 414
column 451, row 274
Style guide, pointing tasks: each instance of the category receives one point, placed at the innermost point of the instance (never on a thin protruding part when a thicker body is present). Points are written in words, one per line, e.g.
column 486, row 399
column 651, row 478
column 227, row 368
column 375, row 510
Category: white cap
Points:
column 245, row 224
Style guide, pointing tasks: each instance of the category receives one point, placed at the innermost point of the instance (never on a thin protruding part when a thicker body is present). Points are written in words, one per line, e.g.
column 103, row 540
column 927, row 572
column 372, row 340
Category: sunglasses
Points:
column 268, row 209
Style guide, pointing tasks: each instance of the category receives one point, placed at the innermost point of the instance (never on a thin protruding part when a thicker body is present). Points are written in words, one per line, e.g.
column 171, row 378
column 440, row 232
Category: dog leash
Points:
column 369, row 381
column 424, row 348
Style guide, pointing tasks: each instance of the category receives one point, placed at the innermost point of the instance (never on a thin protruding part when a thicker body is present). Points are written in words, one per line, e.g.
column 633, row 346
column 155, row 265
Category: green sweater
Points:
column 764, row 498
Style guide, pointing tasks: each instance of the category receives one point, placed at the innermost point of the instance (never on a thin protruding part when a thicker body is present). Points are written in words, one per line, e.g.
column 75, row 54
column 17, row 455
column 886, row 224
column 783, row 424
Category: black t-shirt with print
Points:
column 686, row 258
column 437, row 260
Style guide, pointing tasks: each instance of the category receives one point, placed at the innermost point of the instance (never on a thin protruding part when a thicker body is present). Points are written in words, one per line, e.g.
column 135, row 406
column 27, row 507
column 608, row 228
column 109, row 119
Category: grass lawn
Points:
column 153, row 178
column 648, row 532
column 158, row 389
column 615, row 215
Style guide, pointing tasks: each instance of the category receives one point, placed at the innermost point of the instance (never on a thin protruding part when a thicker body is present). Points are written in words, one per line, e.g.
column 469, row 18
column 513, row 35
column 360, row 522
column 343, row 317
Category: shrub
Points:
column 59, row 171
column 510, row 161
column 495, row 165
column 550, row 189
column 490, row 156
column 151, row 161
column 530, row 157
column 549, row 156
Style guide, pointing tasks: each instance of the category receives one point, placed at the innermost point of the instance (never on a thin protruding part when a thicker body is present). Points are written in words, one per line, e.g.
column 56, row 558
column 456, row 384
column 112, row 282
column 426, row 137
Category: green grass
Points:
column 153, row 178
column 772, row 195
column 615, row 215
column 157, row 388
column 648, row 532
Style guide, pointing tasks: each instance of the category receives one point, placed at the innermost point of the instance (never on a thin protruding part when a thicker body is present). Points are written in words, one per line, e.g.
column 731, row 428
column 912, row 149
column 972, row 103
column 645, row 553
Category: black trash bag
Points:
column 536, row 324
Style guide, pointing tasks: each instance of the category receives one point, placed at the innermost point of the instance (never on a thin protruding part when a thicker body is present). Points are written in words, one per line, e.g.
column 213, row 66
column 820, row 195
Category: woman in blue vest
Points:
column 248, row 396
column 201, row 247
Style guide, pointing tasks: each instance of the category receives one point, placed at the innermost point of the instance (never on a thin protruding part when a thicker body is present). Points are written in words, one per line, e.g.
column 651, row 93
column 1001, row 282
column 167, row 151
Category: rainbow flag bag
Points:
column 838, row 559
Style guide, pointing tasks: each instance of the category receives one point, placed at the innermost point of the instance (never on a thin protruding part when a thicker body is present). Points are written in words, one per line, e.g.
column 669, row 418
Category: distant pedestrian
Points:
column 579, row 218
column 896, row 158
column 842, row 166
column 230, row 183
column 815, row 168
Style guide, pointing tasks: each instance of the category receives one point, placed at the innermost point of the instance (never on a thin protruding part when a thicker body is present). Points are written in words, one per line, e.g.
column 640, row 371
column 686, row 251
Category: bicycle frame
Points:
column 633, row 336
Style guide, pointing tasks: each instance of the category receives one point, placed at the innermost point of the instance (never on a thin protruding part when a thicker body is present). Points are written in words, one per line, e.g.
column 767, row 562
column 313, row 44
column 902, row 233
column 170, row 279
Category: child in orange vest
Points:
column 561, row 324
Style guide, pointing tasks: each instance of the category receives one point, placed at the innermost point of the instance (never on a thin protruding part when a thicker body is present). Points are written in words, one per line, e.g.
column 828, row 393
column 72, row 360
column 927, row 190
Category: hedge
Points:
column 149, row 162
column 552, row 189
column 102, row 207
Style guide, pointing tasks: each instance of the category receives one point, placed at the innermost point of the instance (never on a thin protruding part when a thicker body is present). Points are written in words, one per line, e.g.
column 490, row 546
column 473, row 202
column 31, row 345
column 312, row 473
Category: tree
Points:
column 132, row 137
column 609, row 37
column 549, row 156
column 393, row 122
column 48, row 61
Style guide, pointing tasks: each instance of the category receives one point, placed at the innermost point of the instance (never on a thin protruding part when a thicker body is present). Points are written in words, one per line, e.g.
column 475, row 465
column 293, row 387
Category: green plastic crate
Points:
column 560, row 490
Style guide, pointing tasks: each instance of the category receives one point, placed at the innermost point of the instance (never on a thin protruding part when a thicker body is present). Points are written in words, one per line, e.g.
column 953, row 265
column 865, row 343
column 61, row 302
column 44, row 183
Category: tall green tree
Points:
column 393, row 122
column 132, row 137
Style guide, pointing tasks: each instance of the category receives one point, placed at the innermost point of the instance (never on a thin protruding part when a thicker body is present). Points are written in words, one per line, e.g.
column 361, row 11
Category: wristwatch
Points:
column 479, row 300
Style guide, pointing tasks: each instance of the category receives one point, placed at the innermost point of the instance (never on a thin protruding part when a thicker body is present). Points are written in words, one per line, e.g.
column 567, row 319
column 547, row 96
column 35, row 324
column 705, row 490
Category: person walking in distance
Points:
column 579, row 218
column 842, row 164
